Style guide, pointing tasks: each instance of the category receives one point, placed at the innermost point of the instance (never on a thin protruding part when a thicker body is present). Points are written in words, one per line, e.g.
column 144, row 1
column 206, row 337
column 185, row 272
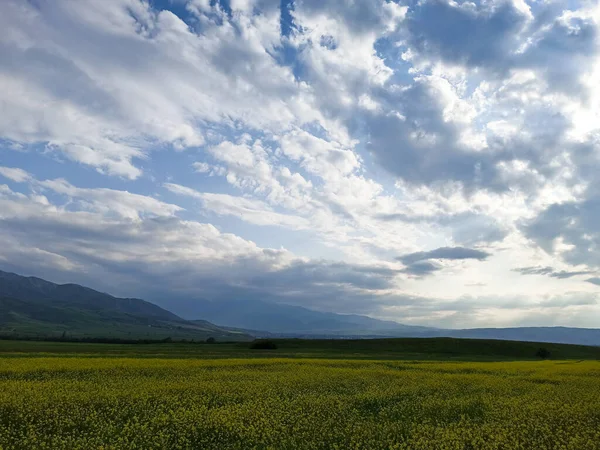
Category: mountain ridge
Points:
column 282, row 318
column 32, row 306
column 277, row 322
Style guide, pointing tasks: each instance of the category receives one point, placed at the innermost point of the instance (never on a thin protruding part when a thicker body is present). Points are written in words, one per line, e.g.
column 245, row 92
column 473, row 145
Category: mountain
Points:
column 31, row 306
column 270, row 319
column 289, row 320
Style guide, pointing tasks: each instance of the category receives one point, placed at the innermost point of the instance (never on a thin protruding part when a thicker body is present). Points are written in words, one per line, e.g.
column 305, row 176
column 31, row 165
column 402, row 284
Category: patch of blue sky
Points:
column 287, row 20
column 390, row 51
column 46, row 164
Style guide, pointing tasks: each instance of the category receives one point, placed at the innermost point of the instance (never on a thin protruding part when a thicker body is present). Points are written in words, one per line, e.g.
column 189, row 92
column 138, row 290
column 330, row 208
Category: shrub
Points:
column 211, row 340
column 542, row 353
column 263, row 344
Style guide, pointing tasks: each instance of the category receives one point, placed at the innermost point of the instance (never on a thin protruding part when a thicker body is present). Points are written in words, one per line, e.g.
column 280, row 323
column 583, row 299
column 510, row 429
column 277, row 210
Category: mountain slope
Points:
column 295, row 321
column 288, row 319
column 32, row 306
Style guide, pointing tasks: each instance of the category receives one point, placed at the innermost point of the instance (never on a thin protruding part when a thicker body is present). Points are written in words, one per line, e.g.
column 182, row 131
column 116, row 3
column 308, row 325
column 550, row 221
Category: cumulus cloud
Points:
column 154, row 253
column 68, row 88
column 569, row 230
column 362, row 130
column 501, row 36
column 478, row 35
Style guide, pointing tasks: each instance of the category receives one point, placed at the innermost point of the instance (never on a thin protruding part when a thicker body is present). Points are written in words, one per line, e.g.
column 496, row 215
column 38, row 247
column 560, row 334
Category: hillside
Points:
column 288, row 319
column 31, row 306
column 279, row 320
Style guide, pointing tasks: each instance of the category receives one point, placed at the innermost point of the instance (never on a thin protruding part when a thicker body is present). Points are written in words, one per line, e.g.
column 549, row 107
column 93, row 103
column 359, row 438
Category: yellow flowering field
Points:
column 281, row 403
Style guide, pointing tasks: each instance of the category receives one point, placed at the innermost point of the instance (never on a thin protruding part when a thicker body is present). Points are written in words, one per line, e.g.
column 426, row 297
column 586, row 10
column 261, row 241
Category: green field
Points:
column 386, row 394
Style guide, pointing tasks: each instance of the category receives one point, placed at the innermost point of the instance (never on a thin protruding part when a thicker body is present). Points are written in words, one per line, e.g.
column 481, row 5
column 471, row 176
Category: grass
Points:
column 405, row 348
column 305, row 394
column 88, row 326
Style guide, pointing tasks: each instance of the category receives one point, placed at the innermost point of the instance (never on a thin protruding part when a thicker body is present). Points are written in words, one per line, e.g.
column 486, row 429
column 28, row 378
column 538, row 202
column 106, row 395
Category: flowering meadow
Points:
column 79, row 402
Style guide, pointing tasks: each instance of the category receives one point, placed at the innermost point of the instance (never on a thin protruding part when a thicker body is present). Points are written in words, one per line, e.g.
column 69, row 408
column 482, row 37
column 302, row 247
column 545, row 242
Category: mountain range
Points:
column 31, row 306
column 285, row 319
column 279, row 320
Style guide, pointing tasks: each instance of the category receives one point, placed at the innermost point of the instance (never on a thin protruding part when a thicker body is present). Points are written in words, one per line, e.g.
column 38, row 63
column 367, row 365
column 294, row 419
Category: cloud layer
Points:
column 290, row 151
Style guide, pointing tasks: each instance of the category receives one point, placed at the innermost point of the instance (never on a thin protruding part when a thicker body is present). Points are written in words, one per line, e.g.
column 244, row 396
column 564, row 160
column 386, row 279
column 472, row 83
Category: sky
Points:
column 432, row 162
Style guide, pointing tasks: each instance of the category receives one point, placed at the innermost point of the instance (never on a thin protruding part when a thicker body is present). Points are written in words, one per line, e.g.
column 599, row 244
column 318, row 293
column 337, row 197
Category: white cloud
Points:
column 108, row 201
column 104, row 83
column 15, row 174
column 250, row 210
column 121, row 203
column 374, row 129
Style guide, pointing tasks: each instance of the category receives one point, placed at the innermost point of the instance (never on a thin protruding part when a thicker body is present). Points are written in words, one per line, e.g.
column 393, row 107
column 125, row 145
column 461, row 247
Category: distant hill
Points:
column 291, row 320
column 31, row 306
column 269, row 319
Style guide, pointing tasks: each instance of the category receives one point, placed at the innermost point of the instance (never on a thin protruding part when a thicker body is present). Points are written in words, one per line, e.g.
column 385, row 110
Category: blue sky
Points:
column 428, row 162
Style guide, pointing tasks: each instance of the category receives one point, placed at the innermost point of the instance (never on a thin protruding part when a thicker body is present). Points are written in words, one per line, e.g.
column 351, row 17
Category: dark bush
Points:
column 211, row 340
column 542, row 353
column 263, row 344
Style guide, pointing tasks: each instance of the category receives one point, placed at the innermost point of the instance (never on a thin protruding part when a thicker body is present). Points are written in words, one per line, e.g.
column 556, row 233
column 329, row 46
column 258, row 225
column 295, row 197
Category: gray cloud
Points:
column 71, row 63
column 576, row 224
column 361, row 16
column 594, row 280
column 400, row 141
column 421, row 268
column 465, row 35
column 467, row 228
column 171, row 85
column 498, row 36
column 164, row 258
column 551, row 272
column 148, row 255
column 561, row 302
column 451, row 253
